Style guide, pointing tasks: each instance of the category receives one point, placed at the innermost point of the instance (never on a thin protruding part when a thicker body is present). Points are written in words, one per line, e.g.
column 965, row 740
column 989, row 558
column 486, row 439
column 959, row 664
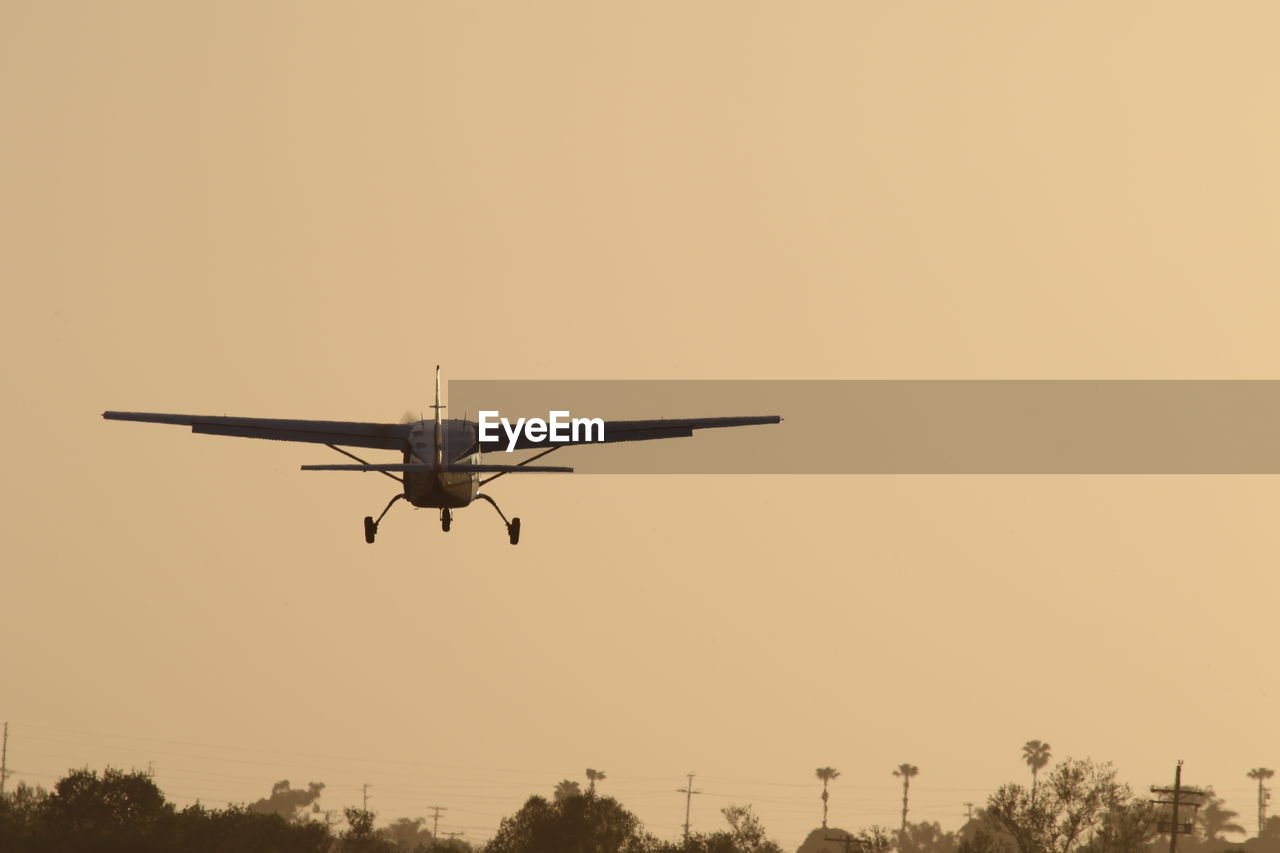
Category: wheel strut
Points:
column 513, row 526
column 371, row 524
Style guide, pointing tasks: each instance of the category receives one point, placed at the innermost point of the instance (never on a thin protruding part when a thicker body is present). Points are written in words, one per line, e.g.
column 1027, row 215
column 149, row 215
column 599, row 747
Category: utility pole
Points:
column 968, row 811
column 4, row 758
column 364, row 789
column 688, row 792
column 435, row 820
column 1181, row 796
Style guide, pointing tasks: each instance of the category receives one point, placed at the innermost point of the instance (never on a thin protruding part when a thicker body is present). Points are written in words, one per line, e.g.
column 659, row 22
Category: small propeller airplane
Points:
column 441, row 465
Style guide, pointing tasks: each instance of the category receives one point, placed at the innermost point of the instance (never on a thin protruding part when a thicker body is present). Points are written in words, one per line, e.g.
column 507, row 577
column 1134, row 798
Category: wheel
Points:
column 370, row 529
column 446, row 520
column 513, row 531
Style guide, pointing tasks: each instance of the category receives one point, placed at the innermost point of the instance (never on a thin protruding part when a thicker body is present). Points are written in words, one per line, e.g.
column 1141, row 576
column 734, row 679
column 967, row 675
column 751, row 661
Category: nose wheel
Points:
column 446, row 519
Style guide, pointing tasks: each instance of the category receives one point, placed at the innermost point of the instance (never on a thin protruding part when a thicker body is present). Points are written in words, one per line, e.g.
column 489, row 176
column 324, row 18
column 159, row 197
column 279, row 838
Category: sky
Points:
column 292, row 209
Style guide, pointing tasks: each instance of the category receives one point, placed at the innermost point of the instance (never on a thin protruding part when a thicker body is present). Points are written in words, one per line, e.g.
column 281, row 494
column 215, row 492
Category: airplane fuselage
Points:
column 442, row 489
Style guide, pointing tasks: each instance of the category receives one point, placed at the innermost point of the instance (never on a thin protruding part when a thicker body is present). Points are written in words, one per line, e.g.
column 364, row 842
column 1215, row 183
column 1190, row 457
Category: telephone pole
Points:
column 688, row 792
column 435, row 820
column 364, row 789
column 968, row 811
column 1181, row 796
column 4, row 758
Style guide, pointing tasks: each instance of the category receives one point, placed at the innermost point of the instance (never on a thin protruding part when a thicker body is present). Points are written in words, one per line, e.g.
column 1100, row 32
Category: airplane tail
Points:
column 439, row 460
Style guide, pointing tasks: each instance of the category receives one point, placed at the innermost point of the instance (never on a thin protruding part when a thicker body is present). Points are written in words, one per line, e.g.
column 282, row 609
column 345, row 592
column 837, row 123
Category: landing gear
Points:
column 371, row 524
column 513, row 526
column 446, row 519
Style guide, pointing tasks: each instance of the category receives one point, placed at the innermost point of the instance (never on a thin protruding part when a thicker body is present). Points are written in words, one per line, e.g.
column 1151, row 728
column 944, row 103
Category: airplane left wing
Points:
column 348, row 433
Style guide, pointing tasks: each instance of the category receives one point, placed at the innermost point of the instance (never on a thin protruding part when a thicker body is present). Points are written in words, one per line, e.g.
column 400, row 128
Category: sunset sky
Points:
column 298, row 209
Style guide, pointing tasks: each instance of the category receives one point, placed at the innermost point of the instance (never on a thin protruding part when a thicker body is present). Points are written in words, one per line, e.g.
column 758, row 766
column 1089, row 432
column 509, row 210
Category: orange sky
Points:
column 298, row 209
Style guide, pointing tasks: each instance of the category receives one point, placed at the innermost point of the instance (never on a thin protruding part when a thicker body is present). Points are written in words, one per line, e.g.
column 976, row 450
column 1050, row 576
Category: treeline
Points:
column 1075, row 807
column 119, row 812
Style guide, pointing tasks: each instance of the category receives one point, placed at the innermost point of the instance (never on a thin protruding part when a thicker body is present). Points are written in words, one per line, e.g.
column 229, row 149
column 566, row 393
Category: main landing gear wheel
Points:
column 446, row 519
column 371, row 524
column 513, row 526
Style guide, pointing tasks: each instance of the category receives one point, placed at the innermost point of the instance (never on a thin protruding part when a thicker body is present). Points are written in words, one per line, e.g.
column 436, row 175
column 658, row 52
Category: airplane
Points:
column 441, row 465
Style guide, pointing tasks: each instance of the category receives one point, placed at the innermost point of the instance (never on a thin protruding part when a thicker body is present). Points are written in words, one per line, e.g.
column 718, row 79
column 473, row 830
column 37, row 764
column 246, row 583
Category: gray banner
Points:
column 912, row 427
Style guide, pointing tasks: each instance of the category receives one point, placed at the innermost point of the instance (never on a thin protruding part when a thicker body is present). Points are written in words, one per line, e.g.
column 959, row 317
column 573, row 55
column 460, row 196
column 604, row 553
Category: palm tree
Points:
column 593, row 776
column 1261, row 774
column 1214, row 819
column 906, row 771
column 826, row 774
column 1036, row 754
column 566, row 789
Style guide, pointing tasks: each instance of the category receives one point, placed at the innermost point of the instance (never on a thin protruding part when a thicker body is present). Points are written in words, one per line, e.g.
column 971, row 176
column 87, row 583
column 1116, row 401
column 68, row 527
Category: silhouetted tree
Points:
column 1213, row 819
column 120, row 812
column 746, row 834
column 360, row 836
column 927, row 837
column 1124, row 828
column 1080, row 797
column 906, row 771
column 1036, row 754
column 289, row 803
column 574, row 824
column 826, row 774
column 116, row 809
column 567, row 788
column 408, row 834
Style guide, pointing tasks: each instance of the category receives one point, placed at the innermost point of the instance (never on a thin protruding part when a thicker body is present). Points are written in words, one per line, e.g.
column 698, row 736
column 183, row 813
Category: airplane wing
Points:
column 349, row 433
column 634, row 431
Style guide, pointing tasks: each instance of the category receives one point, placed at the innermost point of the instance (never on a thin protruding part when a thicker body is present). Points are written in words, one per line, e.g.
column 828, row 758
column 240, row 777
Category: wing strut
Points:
column 533, row 458
column 362, row 462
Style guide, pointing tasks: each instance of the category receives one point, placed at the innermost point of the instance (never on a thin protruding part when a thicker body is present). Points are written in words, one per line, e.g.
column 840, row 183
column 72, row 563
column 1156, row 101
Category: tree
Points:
column 360, row 836
column 826, row 774
column 567, row 788
column 289, row 803
column 593, row 776
column 746, row 834
column 1079, row 799
column 1262, row 774
column 926, row 837
column 574, row 824
column 84, row 805
column 1036, row 754
column 906, row 771
column 1213, row 819
column 408, row 834
column 1126, row 828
